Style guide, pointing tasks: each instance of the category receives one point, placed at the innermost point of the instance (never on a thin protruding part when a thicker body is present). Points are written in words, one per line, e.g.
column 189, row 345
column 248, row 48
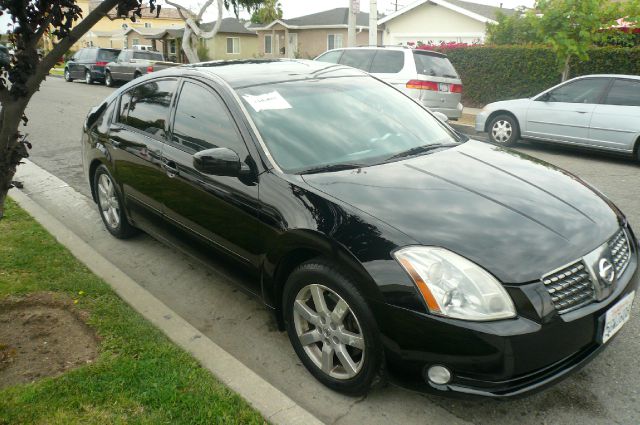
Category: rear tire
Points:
column 504, row 130
column 110, row 205
column 87, row 77
column 332, row 329
column 67, row 75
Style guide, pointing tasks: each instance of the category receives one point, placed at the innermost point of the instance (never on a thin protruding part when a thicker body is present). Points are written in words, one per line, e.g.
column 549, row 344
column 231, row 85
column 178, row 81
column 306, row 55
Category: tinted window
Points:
column 107, row 55
column 624, row 92
column 357, row 58
column 587, row 90
column 122, row 57
column 434, row 65
column 331, row 57
column 203, row 121
column 387, row 61
column 149, row 106
column 89, row 55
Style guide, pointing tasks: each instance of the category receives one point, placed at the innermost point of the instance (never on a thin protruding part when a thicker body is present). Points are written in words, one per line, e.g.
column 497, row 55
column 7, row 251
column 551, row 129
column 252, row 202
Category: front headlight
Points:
column 453, row 286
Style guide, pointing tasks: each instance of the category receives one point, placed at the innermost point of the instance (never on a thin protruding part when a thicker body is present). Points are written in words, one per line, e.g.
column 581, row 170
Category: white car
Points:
column 594, row 111
column 424, row 75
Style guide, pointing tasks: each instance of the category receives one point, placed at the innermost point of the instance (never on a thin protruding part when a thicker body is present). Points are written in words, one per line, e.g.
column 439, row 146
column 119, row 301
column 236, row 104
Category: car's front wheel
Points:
column 332, row 328
column 504, row 130
column 110, row 205
column 108, row 80
column 67, row 75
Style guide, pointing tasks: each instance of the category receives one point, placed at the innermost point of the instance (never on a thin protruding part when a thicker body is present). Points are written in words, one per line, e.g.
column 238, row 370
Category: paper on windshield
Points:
column 267, row 101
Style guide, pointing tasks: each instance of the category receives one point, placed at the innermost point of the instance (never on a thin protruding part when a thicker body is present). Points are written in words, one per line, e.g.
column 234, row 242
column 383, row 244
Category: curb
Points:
column 275, row 406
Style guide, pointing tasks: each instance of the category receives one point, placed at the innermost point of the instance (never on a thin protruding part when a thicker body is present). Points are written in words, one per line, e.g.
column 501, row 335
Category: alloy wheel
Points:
column 108, row 80
column 67, row 76
column 108, row 201
column 501, row 131
column 87, row 77
column 329, row 331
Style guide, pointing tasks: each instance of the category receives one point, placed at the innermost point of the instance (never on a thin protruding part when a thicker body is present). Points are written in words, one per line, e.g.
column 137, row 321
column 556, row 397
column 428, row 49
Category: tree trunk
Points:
column 187, row 45
column 12, row 151
column 566, row 69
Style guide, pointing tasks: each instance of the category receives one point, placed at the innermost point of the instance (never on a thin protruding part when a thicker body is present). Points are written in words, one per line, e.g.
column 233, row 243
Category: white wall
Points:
column 430, row 22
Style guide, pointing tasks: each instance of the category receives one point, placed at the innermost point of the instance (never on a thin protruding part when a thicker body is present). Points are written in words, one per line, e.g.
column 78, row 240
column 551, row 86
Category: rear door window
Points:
column 148, row 106
column 624, row 93
column 358, row 58
column 331, row 57
column 387, row 62
column 434, row 65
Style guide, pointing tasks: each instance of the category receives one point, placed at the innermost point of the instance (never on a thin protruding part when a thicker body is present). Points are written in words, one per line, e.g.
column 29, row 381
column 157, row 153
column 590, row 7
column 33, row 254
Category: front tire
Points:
column 331, row 328
column 110, row 205
column 108, row 80
column 504, row 130
column 67, row 75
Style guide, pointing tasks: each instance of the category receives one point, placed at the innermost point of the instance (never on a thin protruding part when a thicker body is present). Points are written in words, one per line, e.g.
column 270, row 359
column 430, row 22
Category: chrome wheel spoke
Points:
column 318, row 299
column 339, row 312
column 306, row 312
column 347, row 362
column 354, row 340
column 327, row 358
column 310, row 337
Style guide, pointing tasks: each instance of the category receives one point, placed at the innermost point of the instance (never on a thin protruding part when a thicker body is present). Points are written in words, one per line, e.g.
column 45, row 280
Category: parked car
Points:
column 5, row 57
column 384, row 242
column 424, row 75
column 89, row 64
column 593, row 111
column 131, row 64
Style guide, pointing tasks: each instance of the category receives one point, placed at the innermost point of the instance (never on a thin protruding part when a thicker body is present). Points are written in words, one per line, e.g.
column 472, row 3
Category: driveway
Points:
column 605, row 392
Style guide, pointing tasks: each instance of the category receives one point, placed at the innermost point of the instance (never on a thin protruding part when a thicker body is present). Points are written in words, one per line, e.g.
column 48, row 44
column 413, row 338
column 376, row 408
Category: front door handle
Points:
column 170, row 168
column 581, row 112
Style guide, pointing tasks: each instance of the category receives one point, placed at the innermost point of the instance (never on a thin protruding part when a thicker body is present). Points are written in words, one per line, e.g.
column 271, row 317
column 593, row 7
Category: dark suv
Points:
column 89, row 64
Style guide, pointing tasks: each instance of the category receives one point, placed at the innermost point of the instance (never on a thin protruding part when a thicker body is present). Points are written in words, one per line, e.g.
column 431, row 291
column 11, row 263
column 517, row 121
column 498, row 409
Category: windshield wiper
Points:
column 332, row 167
column 420, row 149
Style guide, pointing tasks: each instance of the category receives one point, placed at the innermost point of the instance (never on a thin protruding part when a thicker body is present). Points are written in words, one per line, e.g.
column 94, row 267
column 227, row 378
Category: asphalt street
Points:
column 605, row 392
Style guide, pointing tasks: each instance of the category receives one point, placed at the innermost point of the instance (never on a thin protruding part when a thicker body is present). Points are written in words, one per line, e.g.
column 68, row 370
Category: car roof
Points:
column 253, row 72
column 634, row 77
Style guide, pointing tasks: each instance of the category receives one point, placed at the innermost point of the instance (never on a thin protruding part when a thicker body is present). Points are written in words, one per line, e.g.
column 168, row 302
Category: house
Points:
column 436, row 21
column 110, row 31
column 232, row 41
column 308, row 36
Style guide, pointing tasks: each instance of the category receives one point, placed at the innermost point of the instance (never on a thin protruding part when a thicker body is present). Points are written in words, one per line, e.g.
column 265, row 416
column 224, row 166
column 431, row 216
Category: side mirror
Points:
column 218, row 162
column 442, row 117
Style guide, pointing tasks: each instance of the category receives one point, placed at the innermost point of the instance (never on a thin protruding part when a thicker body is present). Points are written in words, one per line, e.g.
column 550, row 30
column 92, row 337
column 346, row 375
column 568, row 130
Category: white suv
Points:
column 424, row 75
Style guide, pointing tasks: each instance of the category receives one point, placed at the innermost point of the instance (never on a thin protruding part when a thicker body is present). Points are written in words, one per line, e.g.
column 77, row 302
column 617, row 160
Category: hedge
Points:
column 492, row 73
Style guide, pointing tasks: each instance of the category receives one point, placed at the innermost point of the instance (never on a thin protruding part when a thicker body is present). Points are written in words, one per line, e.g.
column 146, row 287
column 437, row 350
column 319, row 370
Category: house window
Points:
column 334, row 41
column 268, row 44
column 172, row 47
column 233, row 45
column 136, row 42
column 147, row 24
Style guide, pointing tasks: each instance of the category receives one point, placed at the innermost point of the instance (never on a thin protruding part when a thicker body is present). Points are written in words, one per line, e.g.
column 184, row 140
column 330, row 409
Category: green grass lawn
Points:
column 57, row 71
column 140, row 377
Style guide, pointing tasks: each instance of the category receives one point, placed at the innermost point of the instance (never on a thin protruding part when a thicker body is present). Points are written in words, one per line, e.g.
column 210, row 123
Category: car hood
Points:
column 514, row 215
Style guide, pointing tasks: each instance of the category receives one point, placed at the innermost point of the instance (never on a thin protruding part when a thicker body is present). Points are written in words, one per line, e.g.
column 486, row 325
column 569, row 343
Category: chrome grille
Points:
column 570, row 287
column 620, row 251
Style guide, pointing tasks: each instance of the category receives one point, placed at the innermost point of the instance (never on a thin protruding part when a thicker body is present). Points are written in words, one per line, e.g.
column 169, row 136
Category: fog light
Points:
column 439, row 375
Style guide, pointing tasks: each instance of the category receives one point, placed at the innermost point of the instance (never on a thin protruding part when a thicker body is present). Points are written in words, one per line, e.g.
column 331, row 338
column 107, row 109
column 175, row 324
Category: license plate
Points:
column 617, row 316
column 444, row 87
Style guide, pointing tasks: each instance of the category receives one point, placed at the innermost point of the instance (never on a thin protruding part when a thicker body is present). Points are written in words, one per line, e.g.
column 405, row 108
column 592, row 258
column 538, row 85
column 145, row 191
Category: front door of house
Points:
column 292, row 50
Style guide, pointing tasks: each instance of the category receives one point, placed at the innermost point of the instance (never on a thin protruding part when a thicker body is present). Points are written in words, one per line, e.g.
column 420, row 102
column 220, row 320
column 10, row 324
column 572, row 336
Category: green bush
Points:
column 492, row 73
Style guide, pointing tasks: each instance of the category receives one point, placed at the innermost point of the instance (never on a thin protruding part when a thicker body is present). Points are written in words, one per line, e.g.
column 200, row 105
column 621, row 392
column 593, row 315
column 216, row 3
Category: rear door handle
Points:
column 170, row 168
column 581, row 112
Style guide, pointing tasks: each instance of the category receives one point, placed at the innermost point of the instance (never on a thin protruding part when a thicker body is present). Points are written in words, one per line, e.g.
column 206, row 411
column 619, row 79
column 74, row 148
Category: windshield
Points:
column 353, row 120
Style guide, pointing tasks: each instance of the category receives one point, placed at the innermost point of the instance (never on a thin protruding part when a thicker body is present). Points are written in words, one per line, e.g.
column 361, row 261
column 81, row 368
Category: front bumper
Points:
column 481, row 121
column 500, row 359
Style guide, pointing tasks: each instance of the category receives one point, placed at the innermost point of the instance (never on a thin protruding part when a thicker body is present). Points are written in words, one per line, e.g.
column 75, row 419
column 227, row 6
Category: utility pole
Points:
column 354, row 8
column 373, row 23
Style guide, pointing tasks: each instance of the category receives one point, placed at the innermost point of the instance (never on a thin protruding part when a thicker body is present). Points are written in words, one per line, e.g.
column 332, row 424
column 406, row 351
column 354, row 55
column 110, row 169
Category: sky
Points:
column 293, row 8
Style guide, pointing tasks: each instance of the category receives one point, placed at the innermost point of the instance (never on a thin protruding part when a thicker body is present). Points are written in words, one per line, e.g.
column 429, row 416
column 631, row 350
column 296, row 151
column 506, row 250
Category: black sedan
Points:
column 387, row 244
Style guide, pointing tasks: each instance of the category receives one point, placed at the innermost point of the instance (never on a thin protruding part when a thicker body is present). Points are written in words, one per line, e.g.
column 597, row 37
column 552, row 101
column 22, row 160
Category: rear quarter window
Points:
column 434, row 65
column 358, row 58
column 108, row 55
